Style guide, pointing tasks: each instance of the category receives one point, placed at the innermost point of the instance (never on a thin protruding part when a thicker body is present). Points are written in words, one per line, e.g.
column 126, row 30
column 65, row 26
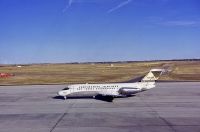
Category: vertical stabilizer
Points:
column 153, row 75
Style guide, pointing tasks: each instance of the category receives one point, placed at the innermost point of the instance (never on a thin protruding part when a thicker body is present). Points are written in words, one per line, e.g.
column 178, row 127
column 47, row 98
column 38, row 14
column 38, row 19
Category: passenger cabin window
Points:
column 66, row 88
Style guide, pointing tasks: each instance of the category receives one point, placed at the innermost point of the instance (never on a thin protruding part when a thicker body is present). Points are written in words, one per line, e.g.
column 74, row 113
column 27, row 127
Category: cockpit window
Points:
column 66, row 88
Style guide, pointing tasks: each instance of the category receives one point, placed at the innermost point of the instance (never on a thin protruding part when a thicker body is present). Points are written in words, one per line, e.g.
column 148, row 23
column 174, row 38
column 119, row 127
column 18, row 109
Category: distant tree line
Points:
column 106, row 62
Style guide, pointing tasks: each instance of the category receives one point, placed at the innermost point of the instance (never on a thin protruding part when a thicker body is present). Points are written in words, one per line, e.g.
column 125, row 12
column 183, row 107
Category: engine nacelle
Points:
column 128, row 90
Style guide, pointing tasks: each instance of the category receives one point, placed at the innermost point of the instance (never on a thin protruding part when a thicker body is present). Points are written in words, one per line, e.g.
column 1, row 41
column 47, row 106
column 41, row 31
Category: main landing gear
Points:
column 65, row 97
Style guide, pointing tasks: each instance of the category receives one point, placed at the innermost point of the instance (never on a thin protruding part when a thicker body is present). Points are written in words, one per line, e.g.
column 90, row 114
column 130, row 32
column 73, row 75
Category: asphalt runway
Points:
column 170, row 107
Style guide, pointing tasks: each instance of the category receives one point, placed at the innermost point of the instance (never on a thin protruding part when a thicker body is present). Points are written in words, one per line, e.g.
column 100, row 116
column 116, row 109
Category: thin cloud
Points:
column 68, row 5
column 91, row 1
column 181, row 23
column 70, row 2
column 173, row 23
column 119, row 6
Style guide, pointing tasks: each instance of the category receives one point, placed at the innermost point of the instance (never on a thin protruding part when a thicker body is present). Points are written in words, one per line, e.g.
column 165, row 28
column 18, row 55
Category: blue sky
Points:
column 41, row 31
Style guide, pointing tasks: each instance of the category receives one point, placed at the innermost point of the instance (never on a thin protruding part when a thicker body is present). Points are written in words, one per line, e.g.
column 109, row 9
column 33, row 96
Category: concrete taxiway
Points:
column 170, row 107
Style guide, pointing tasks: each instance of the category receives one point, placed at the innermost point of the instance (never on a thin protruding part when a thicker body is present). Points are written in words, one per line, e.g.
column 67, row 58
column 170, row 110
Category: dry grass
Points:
column 96, row 73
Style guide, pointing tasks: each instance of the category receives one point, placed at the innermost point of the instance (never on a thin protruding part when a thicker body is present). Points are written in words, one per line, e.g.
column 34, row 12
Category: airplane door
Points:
column 72, row 89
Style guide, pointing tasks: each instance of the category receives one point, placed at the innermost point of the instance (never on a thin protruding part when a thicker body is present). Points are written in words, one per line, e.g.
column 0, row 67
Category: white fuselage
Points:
column 112, row 89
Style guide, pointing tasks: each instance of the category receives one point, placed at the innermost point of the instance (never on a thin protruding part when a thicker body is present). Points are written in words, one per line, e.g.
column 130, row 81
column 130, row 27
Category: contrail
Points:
column 119, row 6
column 68, row 5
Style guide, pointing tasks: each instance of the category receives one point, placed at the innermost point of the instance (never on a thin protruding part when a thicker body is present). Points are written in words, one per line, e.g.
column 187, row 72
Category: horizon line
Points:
column 103, row 62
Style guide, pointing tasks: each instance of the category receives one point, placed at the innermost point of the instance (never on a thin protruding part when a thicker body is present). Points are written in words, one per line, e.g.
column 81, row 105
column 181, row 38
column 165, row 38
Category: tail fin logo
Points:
column 153, row 75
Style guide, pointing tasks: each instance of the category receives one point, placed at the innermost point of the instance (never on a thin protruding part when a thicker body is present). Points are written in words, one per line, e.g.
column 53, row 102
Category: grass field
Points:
column 97, row 73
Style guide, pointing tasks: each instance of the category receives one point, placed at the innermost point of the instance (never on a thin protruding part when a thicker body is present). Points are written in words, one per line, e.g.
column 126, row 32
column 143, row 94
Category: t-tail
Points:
column 153, row 75
column 149, row 80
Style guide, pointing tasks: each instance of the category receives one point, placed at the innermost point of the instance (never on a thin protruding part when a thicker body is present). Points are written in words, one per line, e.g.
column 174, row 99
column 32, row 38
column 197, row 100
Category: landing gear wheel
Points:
column 65, row 97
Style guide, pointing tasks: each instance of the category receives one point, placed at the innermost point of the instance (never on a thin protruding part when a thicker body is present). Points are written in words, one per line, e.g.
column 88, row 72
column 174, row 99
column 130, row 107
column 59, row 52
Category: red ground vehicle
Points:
column 4, row 75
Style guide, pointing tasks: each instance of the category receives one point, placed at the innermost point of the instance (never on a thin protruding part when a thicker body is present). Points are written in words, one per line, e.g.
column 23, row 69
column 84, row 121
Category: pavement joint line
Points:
column 61, row 117
column 156, row 113
column 177, row 103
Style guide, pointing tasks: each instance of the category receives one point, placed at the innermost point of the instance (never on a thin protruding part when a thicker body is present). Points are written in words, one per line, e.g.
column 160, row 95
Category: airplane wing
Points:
column 107, row 93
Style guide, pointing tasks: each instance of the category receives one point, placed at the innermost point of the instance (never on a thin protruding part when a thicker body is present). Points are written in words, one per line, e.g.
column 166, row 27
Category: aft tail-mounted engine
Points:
column 128, row 90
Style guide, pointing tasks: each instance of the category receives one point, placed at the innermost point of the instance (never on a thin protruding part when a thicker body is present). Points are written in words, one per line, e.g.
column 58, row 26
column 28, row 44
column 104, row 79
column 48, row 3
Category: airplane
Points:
column 112, row 90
